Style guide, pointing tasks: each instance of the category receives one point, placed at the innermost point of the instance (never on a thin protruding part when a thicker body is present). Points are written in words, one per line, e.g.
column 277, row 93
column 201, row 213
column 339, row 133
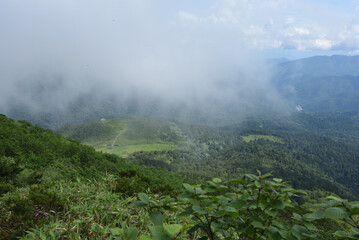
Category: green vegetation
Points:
column 251, row 207
column 125, row 136
column 312, row 151
column 254, row 137
column 55, row 188
column 36, row 165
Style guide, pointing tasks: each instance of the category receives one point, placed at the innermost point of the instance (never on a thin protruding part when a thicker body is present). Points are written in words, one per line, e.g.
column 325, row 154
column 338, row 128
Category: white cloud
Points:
column 324, row 44
column 301, row 25
column 301, row 31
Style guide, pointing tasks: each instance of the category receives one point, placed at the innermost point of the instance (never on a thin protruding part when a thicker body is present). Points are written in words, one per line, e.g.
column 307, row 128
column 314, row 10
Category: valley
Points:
column 179, row 120
column 116, row 155
column 62, row 178
column 309, row 150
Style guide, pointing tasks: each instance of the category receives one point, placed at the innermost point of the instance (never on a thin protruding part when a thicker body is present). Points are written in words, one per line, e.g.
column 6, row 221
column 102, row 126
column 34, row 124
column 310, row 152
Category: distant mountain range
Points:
column 320, row 83
column 336, row 65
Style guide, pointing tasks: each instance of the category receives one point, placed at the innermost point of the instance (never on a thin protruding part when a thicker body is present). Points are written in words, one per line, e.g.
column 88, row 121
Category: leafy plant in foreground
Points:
column 342, row 210
column 252, row 207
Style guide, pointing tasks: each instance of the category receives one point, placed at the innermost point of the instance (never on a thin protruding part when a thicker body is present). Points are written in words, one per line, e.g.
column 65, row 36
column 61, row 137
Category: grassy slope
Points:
column 43, row 154
column 125, row 136
column 43, row 171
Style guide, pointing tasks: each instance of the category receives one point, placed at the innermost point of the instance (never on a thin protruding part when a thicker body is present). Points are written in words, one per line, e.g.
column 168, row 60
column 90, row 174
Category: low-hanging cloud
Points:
column 54, row 51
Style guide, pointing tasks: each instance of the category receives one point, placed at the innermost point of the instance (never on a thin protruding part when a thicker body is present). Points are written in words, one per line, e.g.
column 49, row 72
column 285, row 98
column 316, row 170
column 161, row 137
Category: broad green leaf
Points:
column 355, row 230
column 354, row 204
column 239, row 180
column 238, row 204
column 158, row 233
column 173, row 229
column 230, row 209
column 335, row 213
column 276, row 236
column 278, row 224
column 298, row 231
column 300, row 191
column 139, row 204
column 252, row 177
column 314, row 216
column 143, row 197
column 186, row 212
column 263, row 204
column 288, row 204
column 278, row 180
column 285, row 234
column 156, row 229
column 297, row 217
column 311, row 236
column 217, row 180
column 116, row 231
column 310, row 226
column 354, row 211
column 222, row 187
column 271, row 212
column 277, row 204
column 144, row 237
column 266, row 175
column 193, row 229
column 258, row 224
column 219, row 213
column 188, row 187
column 198, row 209
column 341, row 234
column 156, row 218
column 335, row 198
column 258, row 185
column 244, row 196
column 199, row 191
column 131, row 233
column 210, row 189
column 161, row 236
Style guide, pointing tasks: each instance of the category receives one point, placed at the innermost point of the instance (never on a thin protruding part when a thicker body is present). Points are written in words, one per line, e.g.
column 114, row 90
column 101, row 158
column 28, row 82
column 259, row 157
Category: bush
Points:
column 252, row 208
column 5, row 188
column 45, row 199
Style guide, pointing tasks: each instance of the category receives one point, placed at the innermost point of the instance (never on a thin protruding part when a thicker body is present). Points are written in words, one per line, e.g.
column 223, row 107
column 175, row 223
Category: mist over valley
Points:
column 218, row 119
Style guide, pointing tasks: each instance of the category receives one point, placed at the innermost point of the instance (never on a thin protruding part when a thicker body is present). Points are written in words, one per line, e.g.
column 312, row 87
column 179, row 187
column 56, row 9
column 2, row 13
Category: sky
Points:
column 282, row 28
column 275, row 28
column 54, row 50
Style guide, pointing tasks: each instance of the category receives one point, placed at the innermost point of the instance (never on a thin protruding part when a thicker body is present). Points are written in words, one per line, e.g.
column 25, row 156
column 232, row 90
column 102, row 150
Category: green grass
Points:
column 126, row 149
column 255, row 137
column 125, row 136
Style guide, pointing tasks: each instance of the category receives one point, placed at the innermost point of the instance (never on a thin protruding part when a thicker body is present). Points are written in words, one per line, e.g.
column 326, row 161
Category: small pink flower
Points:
column 42, row 213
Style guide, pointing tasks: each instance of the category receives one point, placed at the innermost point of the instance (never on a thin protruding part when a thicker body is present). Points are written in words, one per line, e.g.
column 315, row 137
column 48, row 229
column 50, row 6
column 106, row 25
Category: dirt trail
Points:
column 113, row 143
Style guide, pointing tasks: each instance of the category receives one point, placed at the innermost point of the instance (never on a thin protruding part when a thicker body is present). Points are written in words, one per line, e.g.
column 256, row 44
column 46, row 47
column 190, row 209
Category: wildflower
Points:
column 42, row 213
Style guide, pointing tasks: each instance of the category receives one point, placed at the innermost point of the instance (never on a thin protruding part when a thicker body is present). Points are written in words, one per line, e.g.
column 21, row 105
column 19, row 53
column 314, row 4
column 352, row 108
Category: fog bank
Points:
column 123, row 53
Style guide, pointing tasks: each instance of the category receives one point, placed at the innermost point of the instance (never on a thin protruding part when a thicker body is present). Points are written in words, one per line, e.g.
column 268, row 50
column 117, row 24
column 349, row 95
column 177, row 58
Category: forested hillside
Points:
column 56, row 188
column 312, row 151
